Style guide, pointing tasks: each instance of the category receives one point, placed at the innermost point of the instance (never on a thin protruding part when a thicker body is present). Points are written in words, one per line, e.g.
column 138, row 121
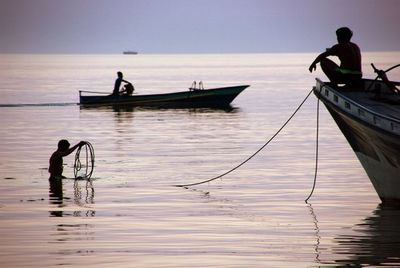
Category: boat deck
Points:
column 387, row 104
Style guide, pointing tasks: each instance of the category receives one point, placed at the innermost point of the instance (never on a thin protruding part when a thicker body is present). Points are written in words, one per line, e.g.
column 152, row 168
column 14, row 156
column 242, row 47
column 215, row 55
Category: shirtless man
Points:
column 56, row 159
column 118, row 82
column 349, row 55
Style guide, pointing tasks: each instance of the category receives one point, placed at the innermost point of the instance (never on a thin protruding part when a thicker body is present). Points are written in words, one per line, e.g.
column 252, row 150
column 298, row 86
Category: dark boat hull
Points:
column 217, row 97
column 374, row 137
column 378, row 153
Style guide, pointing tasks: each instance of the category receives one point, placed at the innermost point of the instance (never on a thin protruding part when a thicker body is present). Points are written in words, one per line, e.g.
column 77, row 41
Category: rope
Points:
column 316, row 152
column 78, row 165
column 254, row 154
column 391, row 68
column 378, row 76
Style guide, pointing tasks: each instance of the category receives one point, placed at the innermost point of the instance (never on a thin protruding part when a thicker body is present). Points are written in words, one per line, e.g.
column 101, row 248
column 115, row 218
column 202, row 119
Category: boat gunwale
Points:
column 178, row 92
column 392, row 126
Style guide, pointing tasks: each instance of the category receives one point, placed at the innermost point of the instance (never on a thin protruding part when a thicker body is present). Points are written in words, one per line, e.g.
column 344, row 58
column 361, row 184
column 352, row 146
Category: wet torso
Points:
column 56, row 165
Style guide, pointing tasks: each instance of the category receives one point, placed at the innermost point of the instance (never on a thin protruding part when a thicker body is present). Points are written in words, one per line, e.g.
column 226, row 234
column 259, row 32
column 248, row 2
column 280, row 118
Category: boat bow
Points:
column 371, row 124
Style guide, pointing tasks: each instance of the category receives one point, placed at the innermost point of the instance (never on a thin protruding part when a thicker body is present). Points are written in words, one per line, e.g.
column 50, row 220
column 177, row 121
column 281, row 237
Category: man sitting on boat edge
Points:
column 128, row 89
column 349, row 55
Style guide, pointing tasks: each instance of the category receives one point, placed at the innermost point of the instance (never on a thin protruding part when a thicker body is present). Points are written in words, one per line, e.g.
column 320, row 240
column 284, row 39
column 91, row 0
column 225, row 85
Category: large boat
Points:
column 368, row 114
column 215, row 97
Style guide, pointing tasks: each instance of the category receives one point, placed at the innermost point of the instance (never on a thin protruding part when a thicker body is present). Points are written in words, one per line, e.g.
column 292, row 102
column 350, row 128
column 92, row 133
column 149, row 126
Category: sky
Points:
column 194, row 26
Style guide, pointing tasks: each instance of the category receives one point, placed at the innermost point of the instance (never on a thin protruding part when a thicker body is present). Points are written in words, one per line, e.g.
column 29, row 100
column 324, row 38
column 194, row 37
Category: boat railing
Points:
column 357, row 110
column 194, row 86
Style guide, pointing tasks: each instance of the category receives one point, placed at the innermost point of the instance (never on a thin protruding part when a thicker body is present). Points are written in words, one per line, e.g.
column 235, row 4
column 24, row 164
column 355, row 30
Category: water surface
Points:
column 130, row 215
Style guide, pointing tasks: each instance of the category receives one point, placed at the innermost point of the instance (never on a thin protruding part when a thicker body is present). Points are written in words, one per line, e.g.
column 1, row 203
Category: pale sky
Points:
column 194, row 26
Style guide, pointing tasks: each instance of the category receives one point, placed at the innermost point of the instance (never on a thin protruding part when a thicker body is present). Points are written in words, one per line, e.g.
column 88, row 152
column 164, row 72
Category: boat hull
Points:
column 374, row 138
column 217, row 97
column 378, row 153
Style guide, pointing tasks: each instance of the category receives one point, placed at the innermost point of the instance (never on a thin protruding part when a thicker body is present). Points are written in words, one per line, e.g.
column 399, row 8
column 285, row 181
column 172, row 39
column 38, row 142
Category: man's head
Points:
column 63, row 145
column 120, row 75
column 344, row 35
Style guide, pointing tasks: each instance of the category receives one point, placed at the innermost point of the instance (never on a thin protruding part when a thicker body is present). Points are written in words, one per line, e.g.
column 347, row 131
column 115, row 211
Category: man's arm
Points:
column 320, row 57
column 73, row 148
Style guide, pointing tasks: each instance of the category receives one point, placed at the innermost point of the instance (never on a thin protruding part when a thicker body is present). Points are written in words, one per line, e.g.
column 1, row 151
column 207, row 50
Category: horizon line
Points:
column 175, row 53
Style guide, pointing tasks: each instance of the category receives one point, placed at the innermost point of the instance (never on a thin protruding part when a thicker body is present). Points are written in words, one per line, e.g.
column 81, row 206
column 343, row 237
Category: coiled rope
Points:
column 260, row 149
column 89, row 162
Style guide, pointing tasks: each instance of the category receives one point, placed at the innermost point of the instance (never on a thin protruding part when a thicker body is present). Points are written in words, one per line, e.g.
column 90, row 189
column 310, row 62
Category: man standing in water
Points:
column 349, row 55
column 56, row 159
column 118, row 82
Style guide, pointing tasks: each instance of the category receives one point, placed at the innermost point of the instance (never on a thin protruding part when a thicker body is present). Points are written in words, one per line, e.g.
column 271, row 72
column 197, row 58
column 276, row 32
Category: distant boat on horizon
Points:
column 129, row 52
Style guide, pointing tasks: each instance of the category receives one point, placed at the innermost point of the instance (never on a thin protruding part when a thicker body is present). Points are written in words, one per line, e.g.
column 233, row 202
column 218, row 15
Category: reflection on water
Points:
column 376, row 240
column 83, row 198
column 128, row 108
column 373, row 242
column 56, row 196
column 317, row 233
column 56, row 191
column 128, row 213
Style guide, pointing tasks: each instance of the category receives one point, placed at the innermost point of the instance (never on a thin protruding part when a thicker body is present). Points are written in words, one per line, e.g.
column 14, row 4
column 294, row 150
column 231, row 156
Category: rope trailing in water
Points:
column 254, row 154
column 316, row 152
column 89, row 165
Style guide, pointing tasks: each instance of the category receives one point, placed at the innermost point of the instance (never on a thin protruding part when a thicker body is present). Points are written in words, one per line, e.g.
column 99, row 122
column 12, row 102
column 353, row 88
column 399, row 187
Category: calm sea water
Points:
column 130, row 215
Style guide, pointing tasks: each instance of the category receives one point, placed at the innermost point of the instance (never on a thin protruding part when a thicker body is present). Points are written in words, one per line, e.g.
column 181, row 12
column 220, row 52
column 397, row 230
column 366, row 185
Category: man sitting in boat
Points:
column 349, row 71
column 118, row 82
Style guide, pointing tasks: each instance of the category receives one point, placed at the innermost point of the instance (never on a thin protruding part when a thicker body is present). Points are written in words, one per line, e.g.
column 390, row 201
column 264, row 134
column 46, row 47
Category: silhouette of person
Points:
column 56, row 159
column 128, row 90
column 118, row 82
column 349, row 55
